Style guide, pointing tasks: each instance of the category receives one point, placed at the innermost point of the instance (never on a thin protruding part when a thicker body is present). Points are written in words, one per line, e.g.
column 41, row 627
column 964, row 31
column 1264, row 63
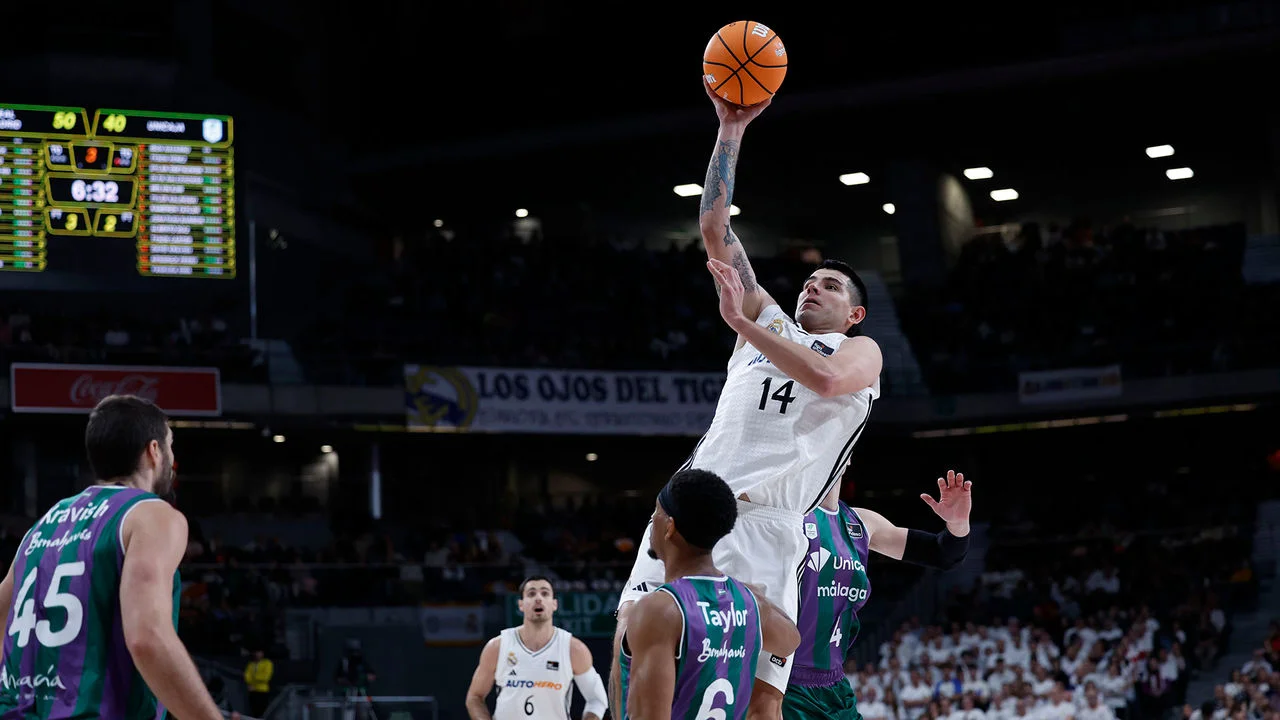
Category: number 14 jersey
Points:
column 772, row 437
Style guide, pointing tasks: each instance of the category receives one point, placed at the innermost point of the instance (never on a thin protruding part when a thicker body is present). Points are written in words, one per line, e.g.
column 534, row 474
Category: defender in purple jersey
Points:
column 91, row 631
column 690, row 649
column 834, row 587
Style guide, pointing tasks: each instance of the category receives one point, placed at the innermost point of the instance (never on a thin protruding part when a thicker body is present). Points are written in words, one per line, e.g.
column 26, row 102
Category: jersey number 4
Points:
column 24, row 621
column 782, row 394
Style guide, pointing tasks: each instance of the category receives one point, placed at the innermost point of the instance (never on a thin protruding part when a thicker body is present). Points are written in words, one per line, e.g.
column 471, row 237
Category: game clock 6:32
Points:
column 74, row 191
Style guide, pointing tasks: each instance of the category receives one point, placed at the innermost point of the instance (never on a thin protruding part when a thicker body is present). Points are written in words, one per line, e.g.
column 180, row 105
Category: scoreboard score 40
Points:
column 163, row 181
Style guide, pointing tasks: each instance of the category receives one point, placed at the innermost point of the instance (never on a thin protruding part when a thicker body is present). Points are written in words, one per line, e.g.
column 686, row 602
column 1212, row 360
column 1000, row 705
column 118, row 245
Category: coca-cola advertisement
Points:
column 179, row 391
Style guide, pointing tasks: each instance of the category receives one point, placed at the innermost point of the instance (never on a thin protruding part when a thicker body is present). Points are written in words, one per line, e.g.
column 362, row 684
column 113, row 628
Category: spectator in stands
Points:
column 872, row 707
column 257, row 679
column 1093, row 708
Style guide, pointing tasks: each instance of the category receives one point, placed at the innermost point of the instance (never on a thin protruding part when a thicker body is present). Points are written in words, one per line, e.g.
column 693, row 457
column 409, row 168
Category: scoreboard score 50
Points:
column 163, row 181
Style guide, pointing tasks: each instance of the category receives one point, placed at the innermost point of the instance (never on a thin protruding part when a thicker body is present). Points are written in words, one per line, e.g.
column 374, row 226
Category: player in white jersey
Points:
column 534, row 666
column 795, row 400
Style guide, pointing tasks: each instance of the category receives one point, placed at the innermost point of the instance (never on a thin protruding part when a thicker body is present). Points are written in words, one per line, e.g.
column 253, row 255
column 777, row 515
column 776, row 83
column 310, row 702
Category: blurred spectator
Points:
column 257, row 679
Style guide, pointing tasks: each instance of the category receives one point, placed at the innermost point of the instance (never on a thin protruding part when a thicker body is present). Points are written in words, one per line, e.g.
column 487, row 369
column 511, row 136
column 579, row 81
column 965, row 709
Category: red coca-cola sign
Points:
column 41, row 388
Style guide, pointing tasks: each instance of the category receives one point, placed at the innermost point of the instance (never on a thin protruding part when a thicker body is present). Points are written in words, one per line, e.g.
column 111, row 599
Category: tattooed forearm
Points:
column 729, row 237
column 722, row 169
column 745, row 273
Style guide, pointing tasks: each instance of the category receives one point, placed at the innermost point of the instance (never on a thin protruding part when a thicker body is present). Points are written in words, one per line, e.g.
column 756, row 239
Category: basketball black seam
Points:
column 760, row 64
column 756, row 79
column 742, row 90
column 735, row 72
column 729, row 49
column 752, row 57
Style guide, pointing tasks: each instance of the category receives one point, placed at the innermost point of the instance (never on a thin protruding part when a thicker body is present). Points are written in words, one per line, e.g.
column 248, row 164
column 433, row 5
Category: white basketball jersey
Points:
column 533, row 685
column 775, row 439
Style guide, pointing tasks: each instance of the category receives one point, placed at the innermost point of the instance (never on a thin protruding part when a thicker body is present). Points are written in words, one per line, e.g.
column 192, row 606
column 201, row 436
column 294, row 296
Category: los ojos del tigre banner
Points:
column 560, row 401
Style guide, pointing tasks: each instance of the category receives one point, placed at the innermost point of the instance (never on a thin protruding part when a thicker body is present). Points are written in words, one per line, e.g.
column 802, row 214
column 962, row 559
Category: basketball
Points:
column 745, row 63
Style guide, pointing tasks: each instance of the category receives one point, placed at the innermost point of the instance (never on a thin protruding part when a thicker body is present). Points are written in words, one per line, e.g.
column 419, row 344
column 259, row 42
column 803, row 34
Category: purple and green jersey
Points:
column 64, row 649
column 833, row 587
column 719, row 646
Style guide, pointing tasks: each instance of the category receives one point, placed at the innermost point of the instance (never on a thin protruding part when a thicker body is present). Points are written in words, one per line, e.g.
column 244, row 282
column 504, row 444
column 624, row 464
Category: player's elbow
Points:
column 826, row 383
column 145, row 641
column 790, row 638
column 712, row 229
column 781, row 636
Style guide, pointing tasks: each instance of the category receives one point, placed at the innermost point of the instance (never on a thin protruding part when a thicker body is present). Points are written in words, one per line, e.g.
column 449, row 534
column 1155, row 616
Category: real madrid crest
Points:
column 440, row 397
column 511, row 658
column 775, row 327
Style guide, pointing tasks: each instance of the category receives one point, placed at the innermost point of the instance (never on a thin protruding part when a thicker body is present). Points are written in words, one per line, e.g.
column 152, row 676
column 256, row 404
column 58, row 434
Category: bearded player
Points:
column 92, row 628
column 795, row 400
column 534, row 666
column 834, row 587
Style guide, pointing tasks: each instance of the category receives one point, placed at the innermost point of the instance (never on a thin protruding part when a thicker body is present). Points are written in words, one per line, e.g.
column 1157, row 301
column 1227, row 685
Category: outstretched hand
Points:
column 729, row 286
column 731, row 114
column 955, row 500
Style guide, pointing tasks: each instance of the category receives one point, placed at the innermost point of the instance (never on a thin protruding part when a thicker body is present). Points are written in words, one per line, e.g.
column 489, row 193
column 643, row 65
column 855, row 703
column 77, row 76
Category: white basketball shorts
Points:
column 765, row 548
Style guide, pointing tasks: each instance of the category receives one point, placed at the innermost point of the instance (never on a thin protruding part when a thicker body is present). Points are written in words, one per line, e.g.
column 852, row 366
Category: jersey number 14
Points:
column 782, row 395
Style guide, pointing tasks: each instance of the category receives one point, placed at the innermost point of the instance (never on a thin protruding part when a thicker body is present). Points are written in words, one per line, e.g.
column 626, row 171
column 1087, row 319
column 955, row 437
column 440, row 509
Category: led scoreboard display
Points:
column 94, row 185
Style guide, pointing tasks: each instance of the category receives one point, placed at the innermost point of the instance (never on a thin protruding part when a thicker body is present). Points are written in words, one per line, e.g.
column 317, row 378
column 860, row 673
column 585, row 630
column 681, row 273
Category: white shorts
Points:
column 765, row 548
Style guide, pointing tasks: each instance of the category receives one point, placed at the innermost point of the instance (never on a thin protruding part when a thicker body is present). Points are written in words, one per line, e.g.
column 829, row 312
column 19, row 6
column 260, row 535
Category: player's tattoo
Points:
column 745, row 273
column 723, row 168
column 729, row 237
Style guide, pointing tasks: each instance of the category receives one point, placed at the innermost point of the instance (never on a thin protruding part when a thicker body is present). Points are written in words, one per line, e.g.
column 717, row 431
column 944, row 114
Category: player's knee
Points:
column 766, row 702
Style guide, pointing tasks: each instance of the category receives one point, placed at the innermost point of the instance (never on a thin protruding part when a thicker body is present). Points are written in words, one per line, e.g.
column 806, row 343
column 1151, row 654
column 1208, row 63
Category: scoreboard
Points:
column 76, row 188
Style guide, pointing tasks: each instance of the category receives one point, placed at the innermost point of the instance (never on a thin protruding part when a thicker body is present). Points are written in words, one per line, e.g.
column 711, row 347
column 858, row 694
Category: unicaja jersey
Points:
column 533, row 685
column 64, row 651
column 719, row 646
column 833, row 588
column 772, row 437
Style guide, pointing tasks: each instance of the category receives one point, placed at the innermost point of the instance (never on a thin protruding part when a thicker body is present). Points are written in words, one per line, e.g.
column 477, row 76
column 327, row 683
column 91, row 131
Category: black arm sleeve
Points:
column 942, row 550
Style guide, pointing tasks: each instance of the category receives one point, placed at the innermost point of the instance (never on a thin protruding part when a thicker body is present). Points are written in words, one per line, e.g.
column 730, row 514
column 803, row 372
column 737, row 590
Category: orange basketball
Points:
column 745, row 62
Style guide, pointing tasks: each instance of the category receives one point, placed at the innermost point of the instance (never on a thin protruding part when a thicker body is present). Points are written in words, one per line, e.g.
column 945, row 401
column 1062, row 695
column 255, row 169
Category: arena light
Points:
column 522, row 213
column 1178, row 173
column 1004, row 195
column 277, row 439
column 1159, row 151
column 326, row 449
column 592, row 457
column 857, row 178
column 438, row 223
column 978, row 173
column 688, row 190
column 889, row 208
column 735, row 210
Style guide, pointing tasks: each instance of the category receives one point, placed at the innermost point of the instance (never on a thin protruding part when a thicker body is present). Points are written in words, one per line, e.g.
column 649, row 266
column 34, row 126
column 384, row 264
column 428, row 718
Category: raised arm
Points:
column 482, row 681
column 943, row 550
column 653, row 637
column 717, row 197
